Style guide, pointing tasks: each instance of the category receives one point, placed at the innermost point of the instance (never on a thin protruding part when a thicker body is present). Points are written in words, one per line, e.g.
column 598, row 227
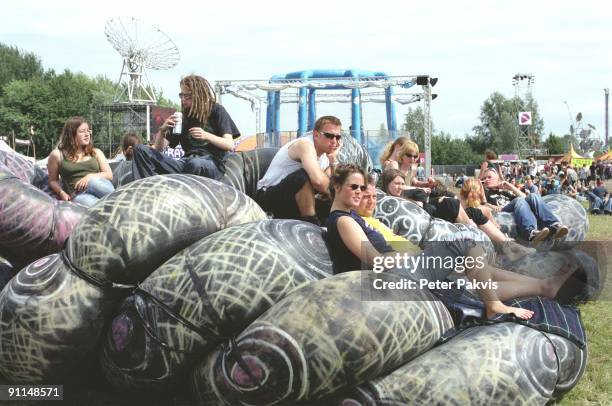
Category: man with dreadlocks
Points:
column 207, row 135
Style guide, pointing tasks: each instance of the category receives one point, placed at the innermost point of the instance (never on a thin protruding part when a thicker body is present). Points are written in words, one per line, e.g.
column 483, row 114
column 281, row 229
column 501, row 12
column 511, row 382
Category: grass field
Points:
column 595, row 386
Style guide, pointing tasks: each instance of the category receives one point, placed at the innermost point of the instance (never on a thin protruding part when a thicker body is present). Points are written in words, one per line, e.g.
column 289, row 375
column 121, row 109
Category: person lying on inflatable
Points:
column 534, row 219
column 352, row 242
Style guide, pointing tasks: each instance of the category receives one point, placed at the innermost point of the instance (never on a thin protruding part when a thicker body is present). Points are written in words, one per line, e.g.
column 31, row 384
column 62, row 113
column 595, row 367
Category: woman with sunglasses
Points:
column 408, row 158
column 345, row 228
column 85, row 174
column 388, row 158
column 352, row 242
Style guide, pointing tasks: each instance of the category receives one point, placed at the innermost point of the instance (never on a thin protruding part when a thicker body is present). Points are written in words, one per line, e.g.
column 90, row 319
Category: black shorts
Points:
column 280, row 199
column 476, row 215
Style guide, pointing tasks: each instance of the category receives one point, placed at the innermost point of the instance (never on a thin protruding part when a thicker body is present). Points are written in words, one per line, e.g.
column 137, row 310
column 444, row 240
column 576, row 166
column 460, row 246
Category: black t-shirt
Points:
column 499, row 197
column 343, row 259
column 219, row 123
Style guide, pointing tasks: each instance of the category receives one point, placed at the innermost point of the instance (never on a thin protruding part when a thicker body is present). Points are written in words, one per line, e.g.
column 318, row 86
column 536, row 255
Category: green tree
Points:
column 45, row 103
column 17, row 65
column 448, row 150
column 414, row 123
column 554, row 144
column 499, row 129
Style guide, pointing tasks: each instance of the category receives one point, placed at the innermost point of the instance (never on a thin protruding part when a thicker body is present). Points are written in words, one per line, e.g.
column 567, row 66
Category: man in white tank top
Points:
column 299, row 170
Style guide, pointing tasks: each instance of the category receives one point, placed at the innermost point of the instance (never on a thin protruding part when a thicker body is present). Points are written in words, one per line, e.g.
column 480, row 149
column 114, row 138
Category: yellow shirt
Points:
column 402, row 244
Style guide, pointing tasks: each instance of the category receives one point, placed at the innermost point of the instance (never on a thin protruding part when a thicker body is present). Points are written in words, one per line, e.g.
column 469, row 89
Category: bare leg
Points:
column 511, row 285
column 493, row 232
column 305, row 200
column 486, row 210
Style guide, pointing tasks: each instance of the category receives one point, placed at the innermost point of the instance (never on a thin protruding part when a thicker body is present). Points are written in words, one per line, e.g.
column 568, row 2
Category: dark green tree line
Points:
column 44, row 100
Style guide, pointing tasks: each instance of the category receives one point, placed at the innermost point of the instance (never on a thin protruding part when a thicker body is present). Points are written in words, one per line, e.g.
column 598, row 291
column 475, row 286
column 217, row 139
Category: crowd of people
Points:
column 305, row 181
column 586, row 182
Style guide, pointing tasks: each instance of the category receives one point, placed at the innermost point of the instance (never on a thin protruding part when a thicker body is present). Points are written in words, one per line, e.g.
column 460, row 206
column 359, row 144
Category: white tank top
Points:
column 283, row 166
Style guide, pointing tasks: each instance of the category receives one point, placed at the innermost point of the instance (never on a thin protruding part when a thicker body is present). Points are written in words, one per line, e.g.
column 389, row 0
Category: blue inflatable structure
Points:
column 337, row 80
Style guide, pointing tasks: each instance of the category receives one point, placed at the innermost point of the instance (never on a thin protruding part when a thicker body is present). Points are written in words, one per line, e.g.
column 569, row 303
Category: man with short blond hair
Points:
column 299, row 170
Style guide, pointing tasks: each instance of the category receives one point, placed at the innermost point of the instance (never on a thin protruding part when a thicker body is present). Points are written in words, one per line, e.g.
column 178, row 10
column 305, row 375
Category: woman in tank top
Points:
column 85, row 174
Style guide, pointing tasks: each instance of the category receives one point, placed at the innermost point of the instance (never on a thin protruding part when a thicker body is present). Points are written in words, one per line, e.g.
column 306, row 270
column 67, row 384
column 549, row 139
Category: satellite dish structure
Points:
column 142, row 47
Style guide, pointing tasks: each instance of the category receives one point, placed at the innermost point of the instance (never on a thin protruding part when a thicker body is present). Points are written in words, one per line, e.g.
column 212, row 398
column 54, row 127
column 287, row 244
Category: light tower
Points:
column 526, row 140
column 607, row 95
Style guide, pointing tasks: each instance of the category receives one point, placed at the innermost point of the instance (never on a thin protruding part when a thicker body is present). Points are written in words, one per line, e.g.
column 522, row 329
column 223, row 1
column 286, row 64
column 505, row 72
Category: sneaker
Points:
column 608, row 212
column 539, row 235
column 595, row 211
column 559, row 231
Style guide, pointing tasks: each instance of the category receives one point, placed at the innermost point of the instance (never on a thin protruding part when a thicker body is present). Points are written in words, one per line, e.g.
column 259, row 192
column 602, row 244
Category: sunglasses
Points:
column 331, row 136
column 185, row 95
column 355, row 186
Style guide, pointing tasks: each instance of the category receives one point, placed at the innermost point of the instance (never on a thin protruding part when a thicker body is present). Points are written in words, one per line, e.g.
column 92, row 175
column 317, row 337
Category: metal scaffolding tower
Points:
column 527, row 143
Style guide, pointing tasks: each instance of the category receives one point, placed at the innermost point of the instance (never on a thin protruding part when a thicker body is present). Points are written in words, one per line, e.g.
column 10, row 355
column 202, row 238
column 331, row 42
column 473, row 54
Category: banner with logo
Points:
column 524, row 118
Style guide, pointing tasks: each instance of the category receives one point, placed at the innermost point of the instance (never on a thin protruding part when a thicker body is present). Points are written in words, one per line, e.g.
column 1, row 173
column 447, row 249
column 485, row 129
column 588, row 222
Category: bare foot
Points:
column 554, row 283
column 496, row 307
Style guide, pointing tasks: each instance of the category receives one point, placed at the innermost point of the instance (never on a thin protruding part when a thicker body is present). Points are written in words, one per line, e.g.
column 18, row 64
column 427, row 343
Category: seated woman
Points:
column 122, row 173
column 84, row 172
column 473, row 200
column 566, row 187
column 130, row 140
column 534, row 219
column 394, row 184
column 445, row 207
column 352, row 242
column 407, row 158
column 388, row 158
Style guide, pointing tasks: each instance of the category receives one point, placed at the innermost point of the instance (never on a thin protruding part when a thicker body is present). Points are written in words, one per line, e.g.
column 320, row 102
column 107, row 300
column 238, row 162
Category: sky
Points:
column 474, row 48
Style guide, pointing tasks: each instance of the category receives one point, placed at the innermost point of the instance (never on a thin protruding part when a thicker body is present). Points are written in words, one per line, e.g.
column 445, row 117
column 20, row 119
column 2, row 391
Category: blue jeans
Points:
column 530, row 213
column 598, row 203
column 96, row 189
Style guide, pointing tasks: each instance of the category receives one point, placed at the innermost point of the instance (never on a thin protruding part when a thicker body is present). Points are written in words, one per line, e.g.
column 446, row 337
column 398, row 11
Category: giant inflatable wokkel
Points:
column 242, row 170
column 52, row 312
column 501, row 364
column 320, row 339
column 32, row 224
column 411, row 221
column 206, row 293
column 18, row 165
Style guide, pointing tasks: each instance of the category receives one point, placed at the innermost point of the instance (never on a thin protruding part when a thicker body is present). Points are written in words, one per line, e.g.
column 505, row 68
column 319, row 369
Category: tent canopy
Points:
column 605, row 157
column 571, row 154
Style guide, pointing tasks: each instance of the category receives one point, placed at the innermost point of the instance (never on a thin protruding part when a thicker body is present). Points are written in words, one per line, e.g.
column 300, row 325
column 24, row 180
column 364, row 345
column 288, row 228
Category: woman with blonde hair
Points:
column 408, row 158
column 472, row 198
column 85, row 174
column 388, row 158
